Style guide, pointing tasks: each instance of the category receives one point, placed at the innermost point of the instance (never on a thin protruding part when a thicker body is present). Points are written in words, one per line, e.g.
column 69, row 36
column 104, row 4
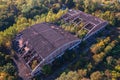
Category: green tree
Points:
column 109, row 60
column 108, row 49
column 9, row 68
column 82, row 73
column 96, row 76
column 70, row 76
column 47, row 69
column 70, row 3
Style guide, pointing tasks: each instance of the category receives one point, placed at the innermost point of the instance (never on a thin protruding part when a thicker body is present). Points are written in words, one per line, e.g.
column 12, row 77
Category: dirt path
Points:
column 23, row 71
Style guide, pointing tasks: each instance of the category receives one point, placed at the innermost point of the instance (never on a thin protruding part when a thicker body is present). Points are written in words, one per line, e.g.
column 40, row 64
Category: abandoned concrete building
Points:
column 89, row 23
column 45, row 41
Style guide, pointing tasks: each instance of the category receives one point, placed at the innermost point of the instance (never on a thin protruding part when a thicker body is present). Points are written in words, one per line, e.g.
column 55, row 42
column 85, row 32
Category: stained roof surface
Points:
column 45, row 38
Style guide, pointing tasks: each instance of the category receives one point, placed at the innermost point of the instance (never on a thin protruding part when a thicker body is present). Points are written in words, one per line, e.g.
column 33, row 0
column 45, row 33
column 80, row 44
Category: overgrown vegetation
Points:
column 103, row 61
column 68, row 56
column 101, row 65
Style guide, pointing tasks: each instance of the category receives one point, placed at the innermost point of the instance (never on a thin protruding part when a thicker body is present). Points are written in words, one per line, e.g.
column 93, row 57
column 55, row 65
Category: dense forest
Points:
column 100, row 62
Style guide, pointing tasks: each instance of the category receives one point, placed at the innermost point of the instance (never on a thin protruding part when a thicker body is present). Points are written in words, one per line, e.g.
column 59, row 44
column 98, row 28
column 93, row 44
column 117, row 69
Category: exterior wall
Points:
column 95, row 31
column 59, row 51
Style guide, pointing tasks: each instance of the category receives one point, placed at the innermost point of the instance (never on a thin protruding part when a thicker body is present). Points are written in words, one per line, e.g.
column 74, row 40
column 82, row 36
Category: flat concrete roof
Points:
column 44, row 38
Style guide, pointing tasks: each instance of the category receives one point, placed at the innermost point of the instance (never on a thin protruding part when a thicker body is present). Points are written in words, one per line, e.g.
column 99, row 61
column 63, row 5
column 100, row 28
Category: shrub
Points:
column 46, row 69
